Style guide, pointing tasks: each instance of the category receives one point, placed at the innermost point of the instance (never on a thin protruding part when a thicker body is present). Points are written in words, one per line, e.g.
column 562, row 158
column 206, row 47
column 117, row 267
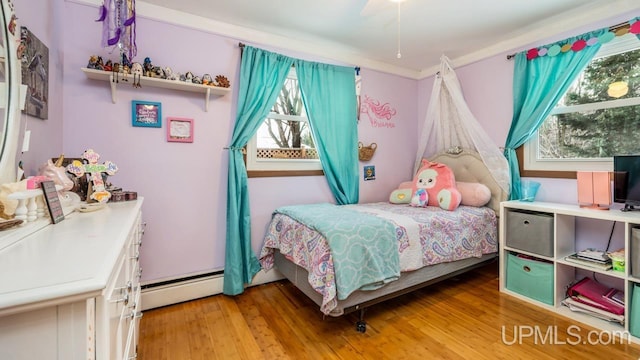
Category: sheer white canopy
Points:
column 449, row 123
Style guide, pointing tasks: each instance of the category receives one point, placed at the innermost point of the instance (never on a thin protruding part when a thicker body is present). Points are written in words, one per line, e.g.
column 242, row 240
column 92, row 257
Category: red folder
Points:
column 593, row 293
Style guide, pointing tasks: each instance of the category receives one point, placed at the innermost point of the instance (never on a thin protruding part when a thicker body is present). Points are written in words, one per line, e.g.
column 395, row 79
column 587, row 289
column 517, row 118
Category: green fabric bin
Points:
column 634, row 316
column 531, row 278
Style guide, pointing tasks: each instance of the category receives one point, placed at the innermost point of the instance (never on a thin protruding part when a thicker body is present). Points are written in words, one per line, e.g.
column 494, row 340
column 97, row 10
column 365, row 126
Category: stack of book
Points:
column 591, row 258
column 595, row 299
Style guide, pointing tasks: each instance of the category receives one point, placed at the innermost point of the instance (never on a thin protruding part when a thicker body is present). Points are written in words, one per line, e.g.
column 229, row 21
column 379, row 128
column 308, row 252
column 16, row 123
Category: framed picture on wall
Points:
column 179, row 129
column 146, row 113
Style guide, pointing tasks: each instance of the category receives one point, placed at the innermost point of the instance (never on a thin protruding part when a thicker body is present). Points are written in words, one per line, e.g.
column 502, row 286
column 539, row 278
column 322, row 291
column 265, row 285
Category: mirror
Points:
column 10, row 79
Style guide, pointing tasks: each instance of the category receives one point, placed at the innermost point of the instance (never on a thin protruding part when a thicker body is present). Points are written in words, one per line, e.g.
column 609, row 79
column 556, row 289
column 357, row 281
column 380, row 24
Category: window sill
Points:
column 283, row 173
column 541, row 173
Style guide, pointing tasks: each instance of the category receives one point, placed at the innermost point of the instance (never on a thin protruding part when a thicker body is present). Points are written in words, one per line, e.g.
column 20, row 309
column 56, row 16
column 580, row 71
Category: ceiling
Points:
column 371, row 35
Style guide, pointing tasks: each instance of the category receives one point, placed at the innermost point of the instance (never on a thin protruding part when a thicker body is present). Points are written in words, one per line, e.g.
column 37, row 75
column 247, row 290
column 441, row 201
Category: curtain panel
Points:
column 328, row 94
column 538, row 84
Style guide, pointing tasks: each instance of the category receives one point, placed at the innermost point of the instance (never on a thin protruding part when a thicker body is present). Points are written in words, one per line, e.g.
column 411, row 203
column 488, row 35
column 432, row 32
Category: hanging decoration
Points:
column 633, row 27
column 118, row 19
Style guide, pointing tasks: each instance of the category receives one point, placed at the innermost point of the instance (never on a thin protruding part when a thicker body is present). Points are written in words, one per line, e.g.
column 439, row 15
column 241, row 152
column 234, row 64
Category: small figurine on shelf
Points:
column 126, row 61
column 188, row 76
column 108, row 66
column 93, row 61
column 170, row 74
column 222, row 81
column 196, row 80
column 158, row 73
column 207, row 80
column 147, row 66
column 136, row 70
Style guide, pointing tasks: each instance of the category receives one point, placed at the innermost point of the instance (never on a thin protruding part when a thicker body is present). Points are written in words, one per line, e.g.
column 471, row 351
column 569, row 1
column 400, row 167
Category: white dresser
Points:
column 71, row 290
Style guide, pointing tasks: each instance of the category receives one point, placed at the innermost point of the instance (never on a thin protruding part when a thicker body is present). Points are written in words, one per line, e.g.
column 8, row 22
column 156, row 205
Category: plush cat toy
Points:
column 440, row 185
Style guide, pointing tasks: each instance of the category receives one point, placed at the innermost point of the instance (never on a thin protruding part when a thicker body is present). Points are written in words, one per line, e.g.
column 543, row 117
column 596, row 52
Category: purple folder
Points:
column 593, row 293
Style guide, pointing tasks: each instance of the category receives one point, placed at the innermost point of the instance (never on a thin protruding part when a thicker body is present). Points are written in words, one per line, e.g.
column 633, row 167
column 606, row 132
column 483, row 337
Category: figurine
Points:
column 188, row 76
column 207, row 79
column 196, row 80
column 108, row 66
column 93, row 60
column 158, row 72
column 169, row 74
column 136, row 70
column 147, row 66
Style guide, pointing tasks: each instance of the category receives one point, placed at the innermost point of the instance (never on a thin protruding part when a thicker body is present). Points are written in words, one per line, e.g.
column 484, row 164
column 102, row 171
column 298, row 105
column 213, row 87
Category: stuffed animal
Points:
column 440, row 184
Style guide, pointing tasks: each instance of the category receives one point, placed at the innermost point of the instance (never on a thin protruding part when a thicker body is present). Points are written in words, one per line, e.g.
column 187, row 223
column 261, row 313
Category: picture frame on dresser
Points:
column 53, row 201
column 146, row 113
column 179, row 130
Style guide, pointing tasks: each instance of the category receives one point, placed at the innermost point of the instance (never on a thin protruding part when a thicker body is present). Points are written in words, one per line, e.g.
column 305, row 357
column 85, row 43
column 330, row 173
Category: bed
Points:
column 428, row 244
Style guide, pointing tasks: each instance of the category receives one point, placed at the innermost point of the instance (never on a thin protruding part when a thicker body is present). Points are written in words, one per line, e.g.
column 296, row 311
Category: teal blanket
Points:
column 364, row 247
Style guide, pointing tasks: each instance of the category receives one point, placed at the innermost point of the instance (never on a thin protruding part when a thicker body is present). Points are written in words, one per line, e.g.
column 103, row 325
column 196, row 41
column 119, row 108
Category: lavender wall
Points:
column 185, row 185
column 44, row 19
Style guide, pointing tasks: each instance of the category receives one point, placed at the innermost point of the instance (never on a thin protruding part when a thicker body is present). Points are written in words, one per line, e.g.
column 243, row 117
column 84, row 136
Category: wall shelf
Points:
column 155, row 82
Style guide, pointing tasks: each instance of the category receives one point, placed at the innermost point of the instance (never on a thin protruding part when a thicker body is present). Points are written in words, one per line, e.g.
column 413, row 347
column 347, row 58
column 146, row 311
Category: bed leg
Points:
column 361, row 325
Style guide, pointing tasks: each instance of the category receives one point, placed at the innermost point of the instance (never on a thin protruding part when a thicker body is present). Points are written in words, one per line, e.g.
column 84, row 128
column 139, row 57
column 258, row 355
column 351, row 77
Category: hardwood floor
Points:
column 463, row 318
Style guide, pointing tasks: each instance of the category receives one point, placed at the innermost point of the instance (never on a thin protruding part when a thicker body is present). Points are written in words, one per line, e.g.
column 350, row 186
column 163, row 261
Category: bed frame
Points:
column 467, row 166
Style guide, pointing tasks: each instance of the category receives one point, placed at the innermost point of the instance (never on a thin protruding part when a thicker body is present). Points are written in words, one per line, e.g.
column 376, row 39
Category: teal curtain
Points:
column 328, row 93
column 262, row 75
column 538, row 85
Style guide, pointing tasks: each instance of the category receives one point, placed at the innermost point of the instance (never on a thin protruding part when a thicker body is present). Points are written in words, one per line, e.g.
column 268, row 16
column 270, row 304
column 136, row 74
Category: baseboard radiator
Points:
column 175, row 291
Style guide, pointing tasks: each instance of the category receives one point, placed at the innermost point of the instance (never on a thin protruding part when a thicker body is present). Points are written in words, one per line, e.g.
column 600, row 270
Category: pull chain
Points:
column 399, row 55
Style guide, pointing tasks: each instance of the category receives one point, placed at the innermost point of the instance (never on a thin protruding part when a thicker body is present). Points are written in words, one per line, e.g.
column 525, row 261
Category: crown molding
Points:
column 347, row 55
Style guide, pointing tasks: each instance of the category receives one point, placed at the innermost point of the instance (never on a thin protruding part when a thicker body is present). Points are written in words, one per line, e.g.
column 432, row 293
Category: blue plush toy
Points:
column 420, row 198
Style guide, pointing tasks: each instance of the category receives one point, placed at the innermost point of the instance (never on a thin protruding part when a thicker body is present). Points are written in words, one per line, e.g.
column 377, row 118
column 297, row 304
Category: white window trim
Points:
column 256, row 164
column 530, row 148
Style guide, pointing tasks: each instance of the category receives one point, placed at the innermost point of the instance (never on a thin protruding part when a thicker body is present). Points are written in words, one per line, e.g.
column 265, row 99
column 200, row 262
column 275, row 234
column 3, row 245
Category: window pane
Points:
column 599, row 116
column 594, row 134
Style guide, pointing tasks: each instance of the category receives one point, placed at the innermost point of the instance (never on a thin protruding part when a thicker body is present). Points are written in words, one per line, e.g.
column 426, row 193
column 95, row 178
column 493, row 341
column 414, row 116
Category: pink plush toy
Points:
column 440, row 184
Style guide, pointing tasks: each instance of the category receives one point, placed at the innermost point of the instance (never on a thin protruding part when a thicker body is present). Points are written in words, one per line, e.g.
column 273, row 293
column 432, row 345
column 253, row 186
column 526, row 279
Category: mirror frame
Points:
column 13, row 74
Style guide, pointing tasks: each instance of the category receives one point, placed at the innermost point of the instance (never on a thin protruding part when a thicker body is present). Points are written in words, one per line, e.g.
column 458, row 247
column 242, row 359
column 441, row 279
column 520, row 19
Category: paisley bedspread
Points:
column 425, row 236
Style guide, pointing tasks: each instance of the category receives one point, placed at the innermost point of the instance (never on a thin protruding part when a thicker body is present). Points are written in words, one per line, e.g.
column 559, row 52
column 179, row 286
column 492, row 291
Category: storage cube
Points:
column 531, row 278
column 634, row 316
column 530, row 231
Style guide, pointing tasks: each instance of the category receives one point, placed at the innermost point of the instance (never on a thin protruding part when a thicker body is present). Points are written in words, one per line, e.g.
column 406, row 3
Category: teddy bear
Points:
column 440, row 185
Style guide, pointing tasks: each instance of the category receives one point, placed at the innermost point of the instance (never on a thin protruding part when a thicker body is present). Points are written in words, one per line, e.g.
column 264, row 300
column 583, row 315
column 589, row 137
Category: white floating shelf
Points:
column 155, row 82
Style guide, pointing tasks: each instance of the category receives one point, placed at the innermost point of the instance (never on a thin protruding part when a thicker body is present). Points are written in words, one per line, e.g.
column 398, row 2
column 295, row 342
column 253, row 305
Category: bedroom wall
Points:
column 185, row 185
column 46, row 135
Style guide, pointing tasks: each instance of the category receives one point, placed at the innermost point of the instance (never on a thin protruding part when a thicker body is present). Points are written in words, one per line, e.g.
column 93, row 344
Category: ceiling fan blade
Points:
column 372, row 7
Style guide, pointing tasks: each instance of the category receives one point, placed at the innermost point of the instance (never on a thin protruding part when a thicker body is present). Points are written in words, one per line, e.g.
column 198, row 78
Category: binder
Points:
column 592, row 293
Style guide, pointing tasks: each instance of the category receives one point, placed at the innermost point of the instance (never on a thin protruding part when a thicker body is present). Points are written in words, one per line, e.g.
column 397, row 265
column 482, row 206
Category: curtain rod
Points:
column 357, row 68
column 612, row 28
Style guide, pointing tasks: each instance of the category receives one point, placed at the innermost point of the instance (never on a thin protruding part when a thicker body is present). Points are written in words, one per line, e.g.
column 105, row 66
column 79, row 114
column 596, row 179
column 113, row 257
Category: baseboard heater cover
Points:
column 170, row 292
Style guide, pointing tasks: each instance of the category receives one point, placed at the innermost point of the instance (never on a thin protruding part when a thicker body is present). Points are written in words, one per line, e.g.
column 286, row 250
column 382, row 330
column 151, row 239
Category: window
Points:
column 598, row 117
column 284, row 141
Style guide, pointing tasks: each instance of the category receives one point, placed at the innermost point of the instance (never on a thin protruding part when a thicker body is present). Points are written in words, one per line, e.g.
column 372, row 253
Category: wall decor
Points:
column 146, row 113
column 34, row 56
column 179, row 129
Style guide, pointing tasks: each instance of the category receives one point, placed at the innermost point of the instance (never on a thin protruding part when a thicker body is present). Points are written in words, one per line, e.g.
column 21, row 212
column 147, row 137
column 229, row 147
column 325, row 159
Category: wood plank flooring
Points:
column 463, row 318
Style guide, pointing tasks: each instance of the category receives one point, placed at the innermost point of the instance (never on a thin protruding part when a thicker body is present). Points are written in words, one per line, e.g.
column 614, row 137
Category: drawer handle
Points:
column 526, row 268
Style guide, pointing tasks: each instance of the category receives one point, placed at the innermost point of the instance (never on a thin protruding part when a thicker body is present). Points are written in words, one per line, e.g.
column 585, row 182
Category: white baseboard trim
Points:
column 178, row 292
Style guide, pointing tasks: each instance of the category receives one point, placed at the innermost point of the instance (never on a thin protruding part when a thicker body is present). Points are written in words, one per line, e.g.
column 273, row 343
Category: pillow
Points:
column 473, row 194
